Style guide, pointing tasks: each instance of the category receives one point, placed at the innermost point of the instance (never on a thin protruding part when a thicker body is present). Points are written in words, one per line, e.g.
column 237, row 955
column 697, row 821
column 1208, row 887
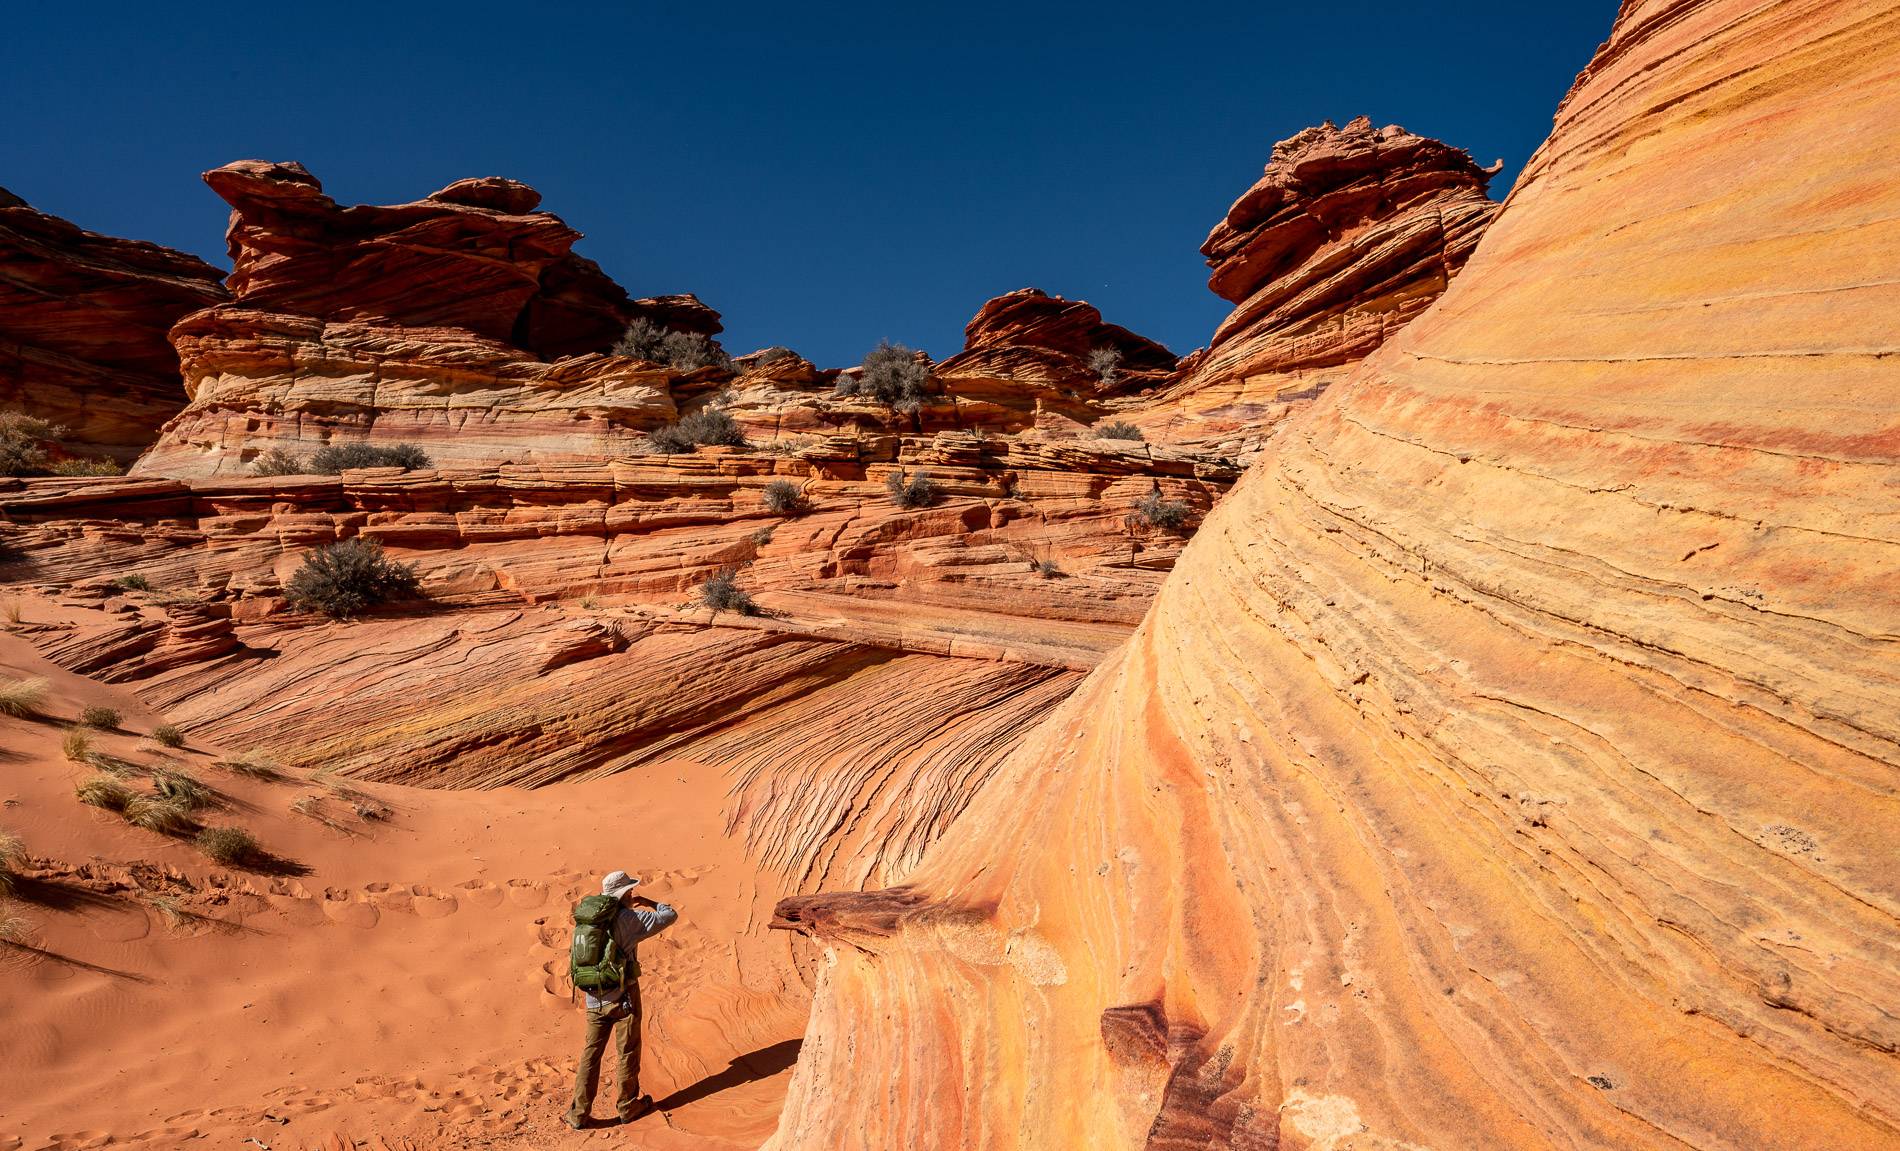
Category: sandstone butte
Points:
column 83, row 322
column 1510, row 760
column 1506, row 761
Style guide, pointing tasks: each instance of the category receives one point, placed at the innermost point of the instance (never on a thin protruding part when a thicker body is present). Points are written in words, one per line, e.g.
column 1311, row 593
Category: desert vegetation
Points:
column 335, row 459
column 783, row 498
column 12, row 856
column 103, row 718
column 657, row 344
column 167, row 735
column 1118, row 430
column 893, row 375
column 22, row 698
column 1157, row 511
column 917, row 491
column 278, row 462
column 27, row 449
column 344, row 579
column 723, row 593
column 252, row 765
column 711, row 425
column 231, row 846
column 1106, row 363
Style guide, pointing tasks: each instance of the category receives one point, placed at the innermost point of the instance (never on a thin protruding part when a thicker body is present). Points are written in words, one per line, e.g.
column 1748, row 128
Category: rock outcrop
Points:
column 1025, row 363
column 1510, row 760
column 463, row 322
column 1347, row 237
column 83, row 319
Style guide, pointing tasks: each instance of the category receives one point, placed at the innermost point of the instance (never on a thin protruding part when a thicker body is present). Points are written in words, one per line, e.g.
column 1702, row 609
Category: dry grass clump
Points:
column 13, row 927
column 227, row 845
column 172, row 910
column 916, row 492
column 168, row 736
column 77, row 745
column 12, row 855
column 22, row 698
column 104, row 791
column 153, row 813
column 181, row 788
column 783, row 498
column 12, row 612
column 252, row 765
column 103, row 718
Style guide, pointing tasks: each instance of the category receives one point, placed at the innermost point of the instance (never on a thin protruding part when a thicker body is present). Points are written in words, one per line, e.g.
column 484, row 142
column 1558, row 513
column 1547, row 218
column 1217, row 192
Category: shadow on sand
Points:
column 748, row 1068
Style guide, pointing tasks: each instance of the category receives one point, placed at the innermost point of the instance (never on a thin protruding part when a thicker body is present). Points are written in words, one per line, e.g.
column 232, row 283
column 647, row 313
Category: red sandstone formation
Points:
column 1025, row 359
column 1509, row 761
column 83, row 319
column 1347, row 237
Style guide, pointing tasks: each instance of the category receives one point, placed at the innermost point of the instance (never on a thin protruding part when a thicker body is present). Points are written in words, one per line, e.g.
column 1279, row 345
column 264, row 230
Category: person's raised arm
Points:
column 652, row 917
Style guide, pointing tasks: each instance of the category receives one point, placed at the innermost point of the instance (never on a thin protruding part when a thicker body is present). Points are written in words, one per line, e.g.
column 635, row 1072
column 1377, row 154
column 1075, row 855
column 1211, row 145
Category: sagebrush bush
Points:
column 227, row 845
column 893, row 376
column 1118, row 430
column 723, row 593
column 711, row 424
column 916, row 492
column 1157, row 511
column 104, row 791
column 132, row 583
column 1106, row 363
column 657, row 344
column 22, row 698
column 154, row 813
column 335, row 459
column 168, row 735
column 24, row 443
column 343, row 579
column 1048, row 569
column 103, row 718
column 278, row 462
column 783, row 498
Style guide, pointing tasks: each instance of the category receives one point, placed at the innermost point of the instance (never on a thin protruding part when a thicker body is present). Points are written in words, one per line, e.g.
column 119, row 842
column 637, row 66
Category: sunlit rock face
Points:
column 462, row 322
column 1348, row 236
column 1510, row 760
column 83, row 319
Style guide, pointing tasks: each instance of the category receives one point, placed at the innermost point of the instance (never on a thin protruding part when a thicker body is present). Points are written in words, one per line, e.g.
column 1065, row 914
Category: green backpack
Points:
column 593, row 961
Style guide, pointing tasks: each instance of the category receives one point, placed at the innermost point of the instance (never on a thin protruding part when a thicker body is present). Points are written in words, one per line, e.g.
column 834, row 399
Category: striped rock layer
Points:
column 1510, row 761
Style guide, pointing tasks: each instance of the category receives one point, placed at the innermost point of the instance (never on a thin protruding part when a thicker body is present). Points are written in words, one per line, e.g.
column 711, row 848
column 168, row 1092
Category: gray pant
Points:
column 621, row 1021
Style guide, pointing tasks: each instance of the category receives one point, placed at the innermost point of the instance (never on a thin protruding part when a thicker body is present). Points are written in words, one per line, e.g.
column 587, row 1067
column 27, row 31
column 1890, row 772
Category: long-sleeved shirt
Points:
column 631, row 925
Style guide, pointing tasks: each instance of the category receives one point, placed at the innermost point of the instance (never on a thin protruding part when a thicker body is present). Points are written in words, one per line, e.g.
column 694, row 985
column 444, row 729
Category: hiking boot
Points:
column 577, row 1122
column 639, row 1109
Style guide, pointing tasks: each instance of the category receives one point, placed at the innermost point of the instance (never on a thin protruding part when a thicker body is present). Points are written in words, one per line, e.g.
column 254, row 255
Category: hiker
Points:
column 605, row 970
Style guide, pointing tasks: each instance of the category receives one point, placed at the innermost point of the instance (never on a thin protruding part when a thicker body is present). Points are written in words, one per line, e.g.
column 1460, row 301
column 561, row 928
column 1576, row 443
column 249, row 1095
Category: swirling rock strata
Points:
column 1510, row 761
column 83, row 319
column 1348, row 236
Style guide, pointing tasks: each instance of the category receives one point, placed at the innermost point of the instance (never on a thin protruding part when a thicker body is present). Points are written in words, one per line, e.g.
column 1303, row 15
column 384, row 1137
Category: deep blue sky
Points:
column 826, row 175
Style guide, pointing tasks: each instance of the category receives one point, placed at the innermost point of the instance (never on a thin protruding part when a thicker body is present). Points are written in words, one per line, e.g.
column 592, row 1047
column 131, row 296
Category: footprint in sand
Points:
column 526, row 893
column 432, row 904
column 481, row 892
column 342, row 906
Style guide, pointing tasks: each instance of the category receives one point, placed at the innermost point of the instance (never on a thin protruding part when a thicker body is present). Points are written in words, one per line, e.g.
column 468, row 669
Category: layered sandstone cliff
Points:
column 83, row 319
column 1509, row 761
column 463, row 322
column 1348, row 236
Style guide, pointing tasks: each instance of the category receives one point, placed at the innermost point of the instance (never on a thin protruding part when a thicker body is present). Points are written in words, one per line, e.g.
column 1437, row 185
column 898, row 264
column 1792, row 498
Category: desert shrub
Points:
column 181, row 788
column 88, row 466
column 344, row 578
column 168, row 735
column 774, row 354
column 77, row 745
column 1160, row 512
column 1106, row 363
column 132, row 583
column 155, row 813
column 172, row 910
column 655, row 343
column 1118, row 430
column 252, row 765
column 22, row 698
column 13, row 611
column 104, row 791
column 227, row 845
column 12, row 858
column 278, row 462
column 916, row 492
column 783, row 498
column 1048, row 569
column 13, row 926
column 723, row 593
column 711, row 424
column 103, row 718
column 335, row 459
column 893, row 376
column 24, row 441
